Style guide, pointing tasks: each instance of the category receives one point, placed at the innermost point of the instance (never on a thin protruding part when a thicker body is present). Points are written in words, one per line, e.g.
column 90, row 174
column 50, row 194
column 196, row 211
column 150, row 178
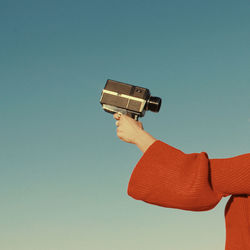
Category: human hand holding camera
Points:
column 129, row 102
column 131, row 131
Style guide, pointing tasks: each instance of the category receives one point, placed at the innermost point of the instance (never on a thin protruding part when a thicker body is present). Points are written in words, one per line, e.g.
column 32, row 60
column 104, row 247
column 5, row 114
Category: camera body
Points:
column 128, row 99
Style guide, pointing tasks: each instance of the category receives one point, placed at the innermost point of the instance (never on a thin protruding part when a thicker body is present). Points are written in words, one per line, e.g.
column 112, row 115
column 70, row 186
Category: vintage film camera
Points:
column 128, row 99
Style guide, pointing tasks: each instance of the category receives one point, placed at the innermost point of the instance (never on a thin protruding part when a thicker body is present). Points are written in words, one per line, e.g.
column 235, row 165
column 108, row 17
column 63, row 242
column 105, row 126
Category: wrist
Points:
column 144, row 140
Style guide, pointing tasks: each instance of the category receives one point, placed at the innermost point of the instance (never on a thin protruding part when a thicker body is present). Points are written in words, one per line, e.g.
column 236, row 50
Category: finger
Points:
column 117, row 116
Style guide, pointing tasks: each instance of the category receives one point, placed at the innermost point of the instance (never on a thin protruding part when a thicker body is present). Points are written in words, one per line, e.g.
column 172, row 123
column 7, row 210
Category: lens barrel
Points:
column 154, row 104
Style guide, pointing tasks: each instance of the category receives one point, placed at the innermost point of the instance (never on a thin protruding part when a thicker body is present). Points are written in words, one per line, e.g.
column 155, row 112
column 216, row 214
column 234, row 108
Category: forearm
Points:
column 144, row 140
column 167, row 177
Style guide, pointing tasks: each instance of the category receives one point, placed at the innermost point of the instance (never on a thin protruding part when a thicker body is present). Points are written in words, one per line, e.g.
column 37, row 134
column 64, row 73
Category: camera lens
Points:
column 154, row 104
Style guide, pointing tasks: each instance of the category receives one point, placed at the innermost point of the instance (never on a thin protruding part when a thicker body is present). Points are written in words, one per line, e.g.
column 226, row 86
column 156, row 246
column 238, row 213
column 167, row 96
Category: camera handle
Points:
column 134, row 116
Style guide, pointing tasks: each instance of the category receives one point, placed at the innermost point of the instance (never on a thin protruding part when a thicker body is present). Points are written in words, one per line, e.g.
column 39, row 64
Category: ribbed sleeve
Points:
column 166, row 176
column 231, row 175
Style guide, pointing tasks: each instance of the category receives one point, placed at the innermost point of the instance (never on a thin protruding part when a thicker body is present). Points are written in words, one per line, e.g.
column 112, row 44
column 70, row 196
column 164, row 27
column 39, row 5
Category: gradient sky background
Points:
column 63, row 171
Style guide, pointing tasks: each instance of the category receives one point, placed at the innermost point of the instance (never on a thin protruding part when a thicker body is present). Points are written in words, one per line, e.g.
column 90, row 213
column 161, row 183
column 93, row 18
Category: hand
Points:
column 128, row 129
column 132, row 131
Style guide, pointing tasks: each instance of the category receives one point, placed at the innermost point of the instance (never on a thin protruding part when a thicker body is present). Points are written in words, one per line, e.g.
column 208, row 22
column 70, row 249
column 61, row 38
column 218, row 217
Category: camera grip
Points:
column 134, row 116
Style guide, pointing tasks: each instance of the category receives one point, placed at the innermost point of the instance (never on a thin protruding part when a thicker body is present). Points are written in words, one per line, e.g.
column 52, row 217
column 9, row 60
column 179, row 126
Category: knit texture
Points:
column 166, row 176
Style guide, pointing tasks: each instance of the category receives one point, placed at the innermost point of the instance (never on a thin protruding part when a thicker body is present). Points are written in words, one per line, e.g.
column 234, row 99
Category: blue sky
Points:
column 64, row 173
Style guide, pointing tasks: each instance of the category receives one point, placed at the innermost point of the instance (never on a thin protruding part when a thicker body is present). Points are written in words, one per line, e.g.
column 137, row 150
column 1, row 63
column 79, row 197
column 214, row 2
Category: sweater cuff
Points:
column 145, row 171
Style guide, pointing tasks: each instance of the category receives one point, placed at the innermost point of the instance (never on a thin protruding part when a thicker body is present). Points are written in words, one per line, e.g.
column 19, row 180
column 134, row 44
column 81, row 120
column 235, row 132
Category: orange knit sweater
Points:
column 167, row 177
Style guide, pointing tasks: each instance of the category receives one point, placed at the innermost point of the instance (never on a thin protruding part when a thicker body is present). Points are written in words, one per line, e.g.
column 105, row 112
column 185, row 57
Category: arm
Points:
column 167, row 177
column 231, row 175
